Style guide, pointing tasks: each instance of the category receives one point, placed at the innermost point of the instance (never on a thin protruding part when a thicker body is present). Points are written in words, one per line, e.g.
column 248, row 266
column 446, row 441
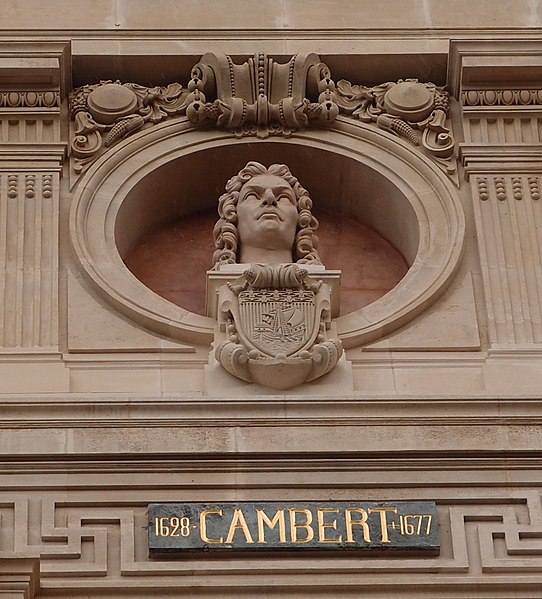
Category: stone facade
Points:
column 416, row 128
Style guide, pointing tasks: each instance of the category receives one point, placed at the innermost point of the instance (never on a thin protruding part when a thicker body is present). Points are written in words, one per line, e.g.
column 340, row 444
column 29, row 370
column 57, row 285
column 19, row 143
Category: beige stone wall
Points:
column 108, row 398
column 334, row 15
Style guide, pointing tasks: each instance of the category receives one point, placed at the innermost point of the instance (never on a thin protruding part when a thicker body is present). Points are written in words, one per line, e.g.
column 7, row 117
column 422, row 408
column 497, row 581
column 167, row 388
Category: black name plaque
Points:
column 250, row 526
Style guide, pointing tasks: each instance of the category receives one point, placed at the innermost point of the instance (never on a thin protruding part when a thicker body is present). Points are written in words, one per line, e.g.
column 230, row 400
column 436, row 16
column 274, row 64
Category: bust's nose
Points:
column 269, row 197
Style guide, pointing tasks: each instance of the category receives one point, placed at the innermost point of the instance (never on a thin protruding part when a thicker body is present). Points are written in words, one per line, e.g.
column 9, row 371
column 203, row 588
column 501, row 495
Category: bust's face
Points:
column 267, row 213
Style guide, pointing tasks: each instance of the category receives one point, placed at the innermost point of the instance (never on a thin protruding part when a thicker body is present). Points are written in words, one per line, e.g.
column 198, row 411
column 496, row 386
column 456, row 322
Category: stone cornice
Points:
column 32, row 156
column 457, row 33
column 364, row 467
column 493, row 64
column 30, row 63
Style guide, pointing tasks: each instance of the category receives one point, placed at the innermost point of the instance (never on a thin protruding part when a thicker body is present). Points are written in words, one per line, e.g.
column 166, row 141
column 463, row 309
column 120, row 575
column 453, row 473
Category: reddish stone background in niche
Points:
column 173, row 260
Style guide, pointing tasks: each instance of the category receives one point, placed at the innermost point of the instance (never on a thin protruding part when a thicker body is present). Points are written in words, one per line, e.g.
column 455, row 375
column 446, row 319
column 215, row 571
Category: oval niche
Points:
column 370, row 266
column 172, row 174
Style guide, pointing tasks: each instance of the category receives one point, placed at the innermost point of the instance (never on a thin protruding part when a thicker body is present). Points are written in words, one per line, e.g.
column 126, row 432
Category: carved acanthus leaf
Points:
column 159, row 103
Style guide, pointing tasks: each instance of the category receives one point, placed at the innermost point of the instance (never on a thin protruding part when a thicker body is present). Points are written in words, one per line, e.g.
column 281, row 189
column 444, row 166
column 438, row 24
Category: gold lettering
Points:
column 203, row 526
column 238, row 522
column 350, row 522
column 294, row 525
column 322, row 525
column 383, row 520
column 278, row 518
column 164, row 530
column 429, row 518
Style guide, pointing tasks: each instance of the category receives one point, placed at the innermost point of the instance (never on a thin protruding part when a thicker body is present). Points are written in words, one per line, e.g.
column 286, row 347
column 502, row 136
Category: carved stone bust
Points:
column 274, row 321
column 265, row 218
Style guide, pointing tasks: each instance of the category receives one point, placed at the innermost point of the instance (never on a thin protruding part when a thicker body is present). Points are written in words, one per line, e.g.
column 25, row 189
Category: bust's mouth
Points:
column 269, row 214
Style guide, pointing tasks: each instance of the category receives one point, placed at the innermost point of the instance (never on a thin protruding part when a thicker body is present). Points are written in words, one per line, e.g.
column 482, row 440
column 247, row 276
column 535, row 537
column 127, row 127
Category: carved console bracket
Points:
column 260, row 97
column 277, row 324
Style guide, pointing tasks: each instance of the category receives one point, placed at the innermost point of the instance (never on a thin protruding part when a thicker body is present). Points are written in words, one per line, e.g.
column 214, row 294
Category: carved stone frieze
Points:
column 507, row 528
column 416, row 111
column 261, row 97
column 278, row 327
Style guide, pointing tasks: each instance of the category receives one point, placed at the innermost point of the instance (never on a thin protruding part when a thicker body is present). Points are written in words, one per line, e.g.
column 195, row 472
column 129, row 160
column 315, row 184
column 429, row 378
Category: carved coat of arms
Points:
column 277, row 324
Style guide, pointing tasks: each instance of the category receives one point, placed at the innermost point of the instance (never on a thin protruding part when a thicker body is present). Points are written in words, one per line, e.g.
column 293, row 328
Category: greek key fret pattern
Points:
column 107, row 541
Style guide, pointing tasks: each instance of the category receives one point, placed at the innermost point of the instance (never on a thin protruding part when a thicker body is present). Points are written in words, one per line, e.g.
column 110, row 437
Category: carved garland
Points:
column 261, row 97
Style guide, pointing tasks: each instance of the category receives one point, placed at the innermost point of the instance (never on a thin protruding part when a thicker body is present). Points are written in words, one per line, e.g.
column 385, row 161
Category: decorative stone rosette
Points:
column 277, row 327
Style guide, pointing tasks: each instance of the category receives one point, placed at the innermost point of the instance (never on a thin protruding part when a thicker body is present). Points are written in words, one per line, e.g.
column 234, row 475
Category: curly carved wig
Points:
column 225, row 233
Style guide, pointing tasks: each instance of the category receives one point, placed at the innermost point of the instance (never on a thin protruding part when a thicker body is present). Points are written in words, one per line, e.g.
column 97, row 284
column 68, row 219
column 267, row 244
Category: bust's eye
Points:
column 250, row 195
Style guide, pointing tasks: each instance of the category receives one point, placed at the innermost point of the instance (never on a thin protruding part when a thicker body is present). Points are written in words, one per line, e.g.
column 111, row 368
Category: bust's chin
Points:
column 260, row 254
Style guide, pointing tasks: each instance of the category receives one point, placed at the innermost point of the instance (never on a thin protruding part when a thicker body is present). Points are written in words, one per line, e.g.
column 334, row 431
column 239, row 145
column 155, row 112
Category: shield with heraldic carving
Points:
column 274, row 327
column 277, row 321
